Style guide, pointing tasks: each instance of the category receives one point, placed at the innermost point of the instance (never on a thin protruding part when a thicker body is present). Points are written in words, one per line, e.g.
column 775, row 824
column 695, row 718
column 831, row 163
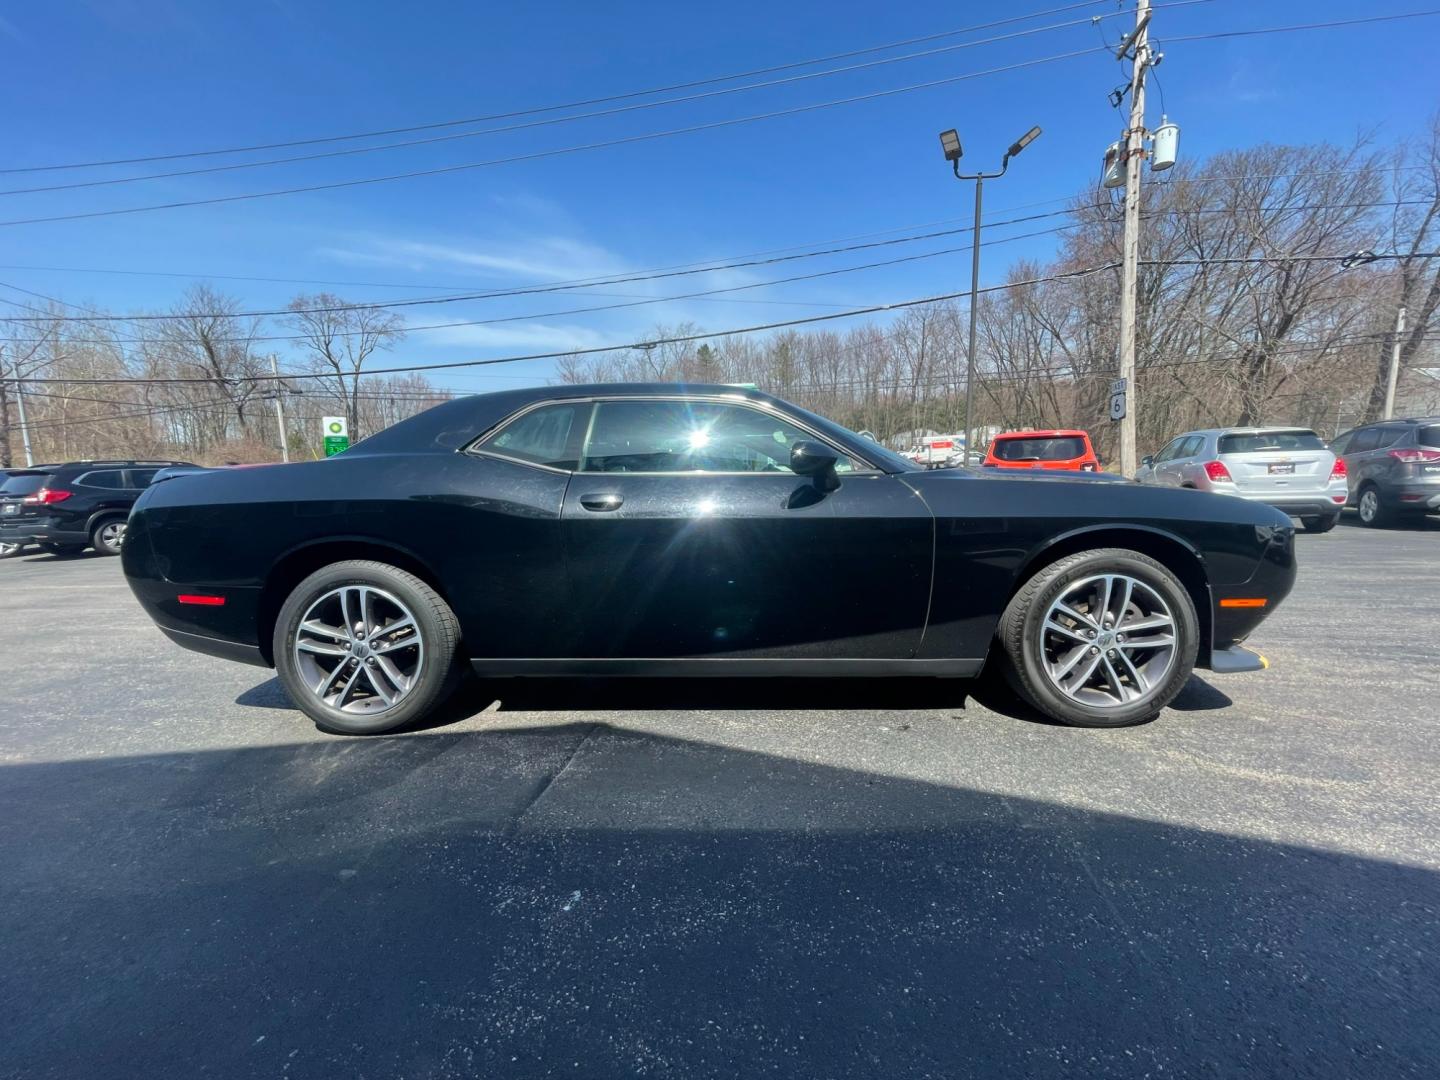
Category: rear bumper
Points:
column 226, row 650
column 39, row 531
column 1310, row 504
column 1412, row 495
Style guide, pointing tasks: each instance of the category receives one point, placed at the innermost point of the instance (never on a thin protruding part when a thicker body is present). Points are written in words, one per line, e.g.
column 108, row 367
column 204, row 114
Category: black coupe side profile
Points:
column 693, row 530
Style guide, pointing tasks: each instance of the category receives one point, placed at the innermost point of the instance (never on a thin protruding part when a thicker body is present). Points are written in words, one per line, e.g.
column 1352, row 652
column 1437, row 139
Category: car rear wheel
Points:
column 1320, row 524
column 1372, row 511
column 1102, row 638
column 363, row 647
column 108, row 536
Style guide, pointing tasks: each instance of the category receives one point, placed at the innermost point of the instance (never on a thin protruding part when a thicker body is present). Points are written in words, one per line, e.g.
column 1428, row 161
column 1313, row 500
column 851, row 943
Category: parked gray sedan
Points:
column 1288, row 468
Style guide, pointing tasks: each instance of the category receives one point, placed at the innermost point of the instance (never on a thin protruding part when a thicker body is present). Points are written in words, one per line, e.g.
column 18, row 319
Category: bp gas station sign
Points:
column 337, row 434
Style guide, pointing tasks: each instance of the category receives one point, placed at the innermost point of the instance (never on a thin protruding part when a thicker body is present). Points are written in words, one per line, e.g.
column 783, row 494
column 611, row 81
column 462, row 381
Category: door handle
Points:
column 600, row 503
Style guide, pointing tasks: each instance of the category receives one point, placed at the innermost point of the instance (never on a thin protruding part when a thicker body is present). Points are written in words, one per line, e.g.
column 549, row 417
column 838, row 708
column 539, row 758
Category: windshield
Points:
column 24, row 484
column 1258, row 441
column 1057, row 448
column 1429, row 435
column 886, row 459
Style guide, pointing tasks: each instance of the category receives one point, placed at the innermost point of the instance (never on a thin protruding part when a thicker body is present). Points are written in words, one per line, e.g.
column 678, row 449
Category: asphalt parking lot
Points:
column 724, row 879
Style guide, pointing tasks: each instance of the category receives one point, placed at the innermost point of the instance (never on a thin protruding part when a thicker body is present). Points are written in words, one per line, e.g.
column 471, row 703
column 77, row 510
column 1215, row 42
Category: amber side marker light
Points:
column 205, row 601
column 1244, row 603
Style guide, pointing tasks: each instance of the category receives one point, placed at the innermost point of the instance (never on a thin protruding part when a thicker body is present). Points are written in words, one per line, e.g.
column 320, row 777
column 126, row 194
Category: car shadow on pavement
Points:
column 705, row 694
column 587, row 900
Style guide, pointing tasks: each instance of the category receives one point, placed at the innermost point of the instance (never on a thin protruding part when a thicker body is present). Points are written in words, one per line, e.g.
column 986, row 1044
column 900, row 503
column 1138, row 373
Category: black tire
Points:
column 107, row 535
column 62, row 551
column 1373, row 511
column 439, row 631
column 1320, row 524
column 1021, row 636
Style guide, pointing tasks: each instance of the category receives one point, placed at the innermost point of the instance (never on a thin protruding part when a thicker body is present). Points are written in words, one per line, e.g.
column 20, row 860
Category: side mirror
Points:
column 816, row 460
column 1147, row 460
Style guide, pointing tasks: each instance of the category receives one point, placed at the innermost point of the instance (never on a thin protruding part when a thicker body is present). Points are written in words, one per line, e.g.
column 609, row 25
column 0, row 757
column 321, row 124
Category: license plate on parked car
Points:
column 1282, row 467
column 1428, row 470
column 11, row 508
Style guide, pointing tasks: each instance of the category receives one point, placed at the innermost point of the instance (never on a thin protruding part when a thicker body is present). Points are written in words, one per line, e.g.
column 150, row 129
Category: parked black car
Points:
column 66, row 508
column 1394, row 469
column 682, row 530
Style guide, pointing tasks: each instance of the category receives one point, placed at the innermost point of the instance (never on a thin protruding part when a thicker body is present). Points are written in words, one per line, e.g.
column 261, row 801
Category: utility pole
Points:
column 280, row 410
column 1394, row 366
column 1130, row 246
column 20, row 408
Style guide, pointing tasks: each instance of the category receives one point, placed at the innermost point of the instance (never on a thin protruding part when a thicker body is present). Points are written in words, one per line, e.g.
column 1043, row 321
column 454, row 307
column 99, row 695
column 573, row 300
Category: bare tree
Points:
column 339, row 338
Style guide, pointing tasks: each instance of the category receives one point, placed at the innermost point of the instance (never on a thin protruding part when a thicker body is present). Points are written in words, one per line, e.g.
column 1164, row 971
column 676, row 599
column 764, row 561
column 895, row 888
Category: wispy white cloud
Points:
column 536, row 258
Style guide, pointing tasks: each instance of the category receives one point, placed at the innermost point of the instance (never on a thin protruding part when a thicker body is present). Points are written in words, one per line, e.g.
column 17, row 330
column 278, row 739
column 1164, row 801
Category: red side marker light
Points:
column 209, row 601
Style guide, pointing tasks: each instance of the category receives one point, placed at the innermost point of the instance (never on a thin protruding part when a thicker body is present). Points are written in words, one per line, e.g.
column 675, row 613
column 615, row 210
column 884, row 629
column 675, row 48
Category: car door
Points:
column 1169, row 471
column 1150, row 474
column 688, row 536
column 1359, row 454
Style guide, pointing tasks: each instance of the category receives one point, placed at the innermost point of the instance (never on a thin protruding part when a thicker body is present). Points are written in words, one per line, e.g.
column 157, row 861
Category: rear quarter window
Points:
column 102, row 478
column 1260, row 442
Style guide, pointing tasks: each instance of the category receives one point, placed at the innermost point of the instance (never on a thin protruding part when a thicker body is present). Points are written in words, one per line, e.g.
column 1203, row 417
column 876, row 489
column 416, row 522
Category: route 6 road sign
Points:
column 1117, row 406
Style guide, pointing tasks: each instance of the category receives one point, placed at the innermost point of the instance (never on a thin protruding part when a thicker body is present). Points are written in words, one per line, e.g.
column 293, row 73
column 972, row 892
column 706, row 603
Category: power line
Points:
column 540, row 154
column 619, row 110
column 705, row 336
column 648, row 136
column 584, row 103
column 695, row 268
column 597, row 349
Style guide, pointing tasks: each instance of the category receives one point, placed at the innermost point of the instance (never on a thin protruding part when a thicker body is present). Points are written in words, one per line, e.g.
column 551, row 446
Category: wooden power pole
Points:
column 1134, row 156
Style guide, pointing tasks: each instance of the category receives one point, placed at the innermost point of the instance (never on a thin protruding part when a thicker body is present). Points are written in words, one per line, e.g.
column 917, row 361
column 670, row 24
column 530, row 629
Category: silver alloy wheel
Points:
column 7, row 549
column 358, row 649
column 112, row 535
column 1108, row 641
column 1369, row 505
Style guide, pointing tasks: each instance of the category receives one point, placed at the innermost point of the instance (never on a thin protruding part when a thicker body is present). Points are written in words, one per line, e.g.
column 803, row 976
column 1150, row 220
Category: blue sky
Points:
column 117, row 78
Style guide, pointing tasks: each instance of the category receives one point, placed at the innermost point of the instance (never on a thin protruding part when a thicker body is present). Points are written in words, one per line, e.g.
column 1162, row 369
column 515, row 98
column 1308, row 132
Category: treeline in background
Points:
column 1248, row 315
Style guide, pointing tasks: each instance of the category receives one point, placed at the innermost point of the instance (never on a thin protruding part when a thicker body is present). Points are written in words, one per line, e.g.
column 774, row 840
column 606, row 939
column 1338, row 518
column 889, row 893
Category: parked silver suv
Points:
column 1288, row 468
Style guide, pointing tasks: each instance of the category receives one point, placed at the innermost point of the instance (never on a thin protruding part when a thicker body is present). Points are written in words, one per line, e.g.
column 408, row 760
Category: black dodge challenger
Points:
column 693, row 530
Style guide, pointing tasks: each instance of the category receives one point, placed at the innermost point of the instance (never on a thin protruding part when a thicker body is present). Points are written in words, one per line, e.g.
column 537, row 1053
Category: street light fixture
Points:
column 950, row 144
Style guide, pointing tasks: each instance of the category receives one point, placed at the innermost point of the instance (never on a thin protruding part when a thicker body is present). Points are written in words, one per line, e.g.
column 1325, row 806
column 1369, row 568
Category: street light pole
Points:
column 280, row 410
column 20, row 408
column 950, row 143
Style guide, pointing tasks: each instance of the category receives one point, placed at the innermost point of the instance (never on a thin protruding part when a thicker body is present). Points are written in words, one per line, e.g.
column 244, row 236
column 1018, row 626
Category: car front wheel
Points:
column 1102, row 638
column 363, row 647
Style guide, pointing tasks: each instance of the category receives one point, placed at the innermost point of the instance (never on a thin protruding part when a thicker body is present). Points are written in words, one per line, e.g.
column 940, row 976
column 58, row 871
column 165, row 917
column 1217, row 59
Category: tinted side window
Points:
column 689, row 436
column 1191, row 447
column 1171, row 450
column 102, row 478
column 1429, row 435
column 1339, row 445
column 1363, row 440
column 1389, row 437
column 140, row 478
column 549, row 435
